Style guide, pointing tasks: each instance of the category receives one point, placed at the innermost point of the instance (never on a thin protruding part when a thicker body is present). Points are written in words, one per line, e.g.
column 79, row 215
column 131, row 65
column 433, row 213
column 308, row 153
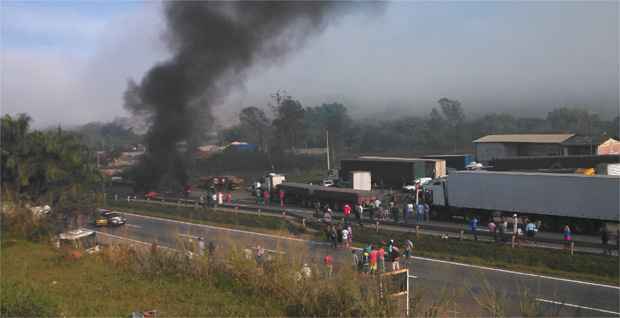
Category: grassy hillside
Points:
column 38, row 281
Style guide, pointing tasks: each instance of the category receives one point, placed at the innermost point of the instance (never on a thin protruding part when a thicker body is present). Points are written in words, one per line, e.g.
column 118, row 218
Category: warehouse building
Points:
column 492, row 147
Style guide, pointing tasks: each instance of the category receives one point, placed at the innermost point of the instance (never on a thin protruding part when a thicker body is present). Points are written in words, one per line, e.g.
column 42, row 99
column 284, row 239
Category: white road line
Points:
column 133, row 225
column 515, row 273
column 414, row 257
column 128, row 239
column 226, row 229
column 577, row 306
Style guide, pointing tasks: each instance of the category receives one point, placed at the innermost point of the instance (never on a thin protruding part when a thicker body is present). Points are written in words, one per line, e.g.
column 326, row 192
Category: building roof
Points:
column 584, row 140
column 525, row 138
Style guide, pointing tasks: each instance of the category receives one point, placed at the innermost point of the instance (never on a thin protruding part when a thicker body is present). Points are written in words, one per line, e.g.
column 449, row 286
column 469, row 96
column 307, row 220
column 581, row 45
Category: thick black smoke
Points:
column 214, row 45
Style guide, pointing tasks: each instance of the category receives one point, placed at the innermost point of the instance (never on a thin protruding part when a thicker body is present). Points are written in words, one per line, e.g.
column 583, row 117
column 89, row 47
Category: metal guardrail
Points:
column 286, row 212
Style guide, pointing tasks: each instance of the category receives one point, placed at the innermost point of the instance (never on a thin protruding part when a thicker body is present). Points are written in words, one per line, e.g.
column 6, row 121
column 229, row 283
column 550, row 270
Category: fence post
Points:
column 377, row 226
column 514, row 238
column 417, row 232
column 461, row 235
column 258, row 211
column 572, row 248
column 303, row 222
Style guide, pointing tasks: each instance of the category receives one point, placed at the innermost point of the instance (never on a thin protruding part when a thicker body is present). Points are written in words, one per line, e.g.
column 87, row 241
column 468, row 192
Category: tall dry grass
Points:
column 345, row 293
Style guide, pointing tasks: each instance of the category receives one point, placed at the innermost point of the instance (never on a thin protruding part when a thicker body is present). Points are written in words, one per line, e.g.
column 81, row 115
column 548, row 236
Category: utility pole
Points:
column 327, row 147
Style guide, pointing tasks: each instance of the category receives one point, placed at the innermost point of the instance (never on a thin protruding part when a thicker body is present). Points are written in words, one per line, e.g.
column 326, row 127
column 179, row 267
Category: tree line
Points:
column 446, row 129
column 52, row 167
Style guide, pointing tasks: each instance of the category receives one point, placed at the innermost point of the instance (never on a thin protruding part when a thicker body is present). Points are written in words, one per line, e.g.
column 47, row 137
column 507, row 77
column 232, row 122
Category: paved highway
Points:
column 434, row 277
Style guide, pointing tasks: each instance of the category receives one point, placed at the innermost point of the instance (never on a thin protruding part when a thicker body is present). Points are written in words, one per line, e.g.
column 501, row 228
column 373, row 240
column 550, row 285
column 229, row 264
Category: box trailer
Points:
column 391, row 172
column 361, row 180
column 567, row 195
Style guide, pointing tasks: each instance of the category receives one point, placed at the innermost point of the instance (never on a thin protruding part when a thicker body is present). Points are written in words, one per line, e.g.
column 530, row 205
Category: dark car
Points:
column 109, row 218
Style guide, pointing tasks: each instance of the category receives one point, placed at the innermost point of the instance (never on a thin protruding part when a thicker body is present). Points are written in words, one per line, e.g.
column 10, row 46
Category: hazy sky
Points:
column 68, row 62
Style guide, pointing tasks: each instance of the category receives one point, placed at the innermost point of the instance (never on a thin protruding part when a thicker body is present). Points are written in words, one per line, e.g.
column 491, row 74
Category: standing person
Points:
column 258, row 193
column 408, row 249
column 515, row 228
column 229, row 198
column 214, row 199
column 265, row 197
column 328, row 261
column 493, row 230
column 220, row 198
column 201, row 246
column 427, row 211
column 374, row 255
column 365, row 261
column 345, row 237
column 358, row 213
column 503, row 228
column 473, row 225
column 350, row 232
column 334, row 236
column 281, row 195
column 568, row 237
column 605, row 240
column 346, row 210
column 395, row 258
column 409, row 211
column 381, row 255
column 418, row 213
column 530, row 230
column 356, row 260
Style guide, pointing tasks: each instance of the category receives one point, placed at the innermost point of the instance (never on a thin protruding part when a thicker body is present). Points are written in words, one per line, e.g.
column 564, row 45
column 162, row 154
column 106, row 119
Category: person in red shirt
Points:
column 374, row 255
column 346, row 210
column 329, row 261
column 281, row 193
column 266, row 197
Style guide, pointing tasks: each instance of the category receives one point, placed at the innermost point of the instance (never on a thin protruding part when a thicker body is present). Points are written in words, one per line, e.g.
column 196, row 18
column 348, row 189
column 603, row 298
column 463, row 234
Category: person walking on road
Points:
column 473, row 226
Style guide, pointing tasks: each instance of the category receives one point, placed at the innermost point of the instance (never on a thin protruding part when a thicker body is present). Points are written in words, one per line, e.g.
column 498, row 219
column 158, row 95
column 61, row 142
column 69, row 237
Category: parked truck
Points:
column 561, row 196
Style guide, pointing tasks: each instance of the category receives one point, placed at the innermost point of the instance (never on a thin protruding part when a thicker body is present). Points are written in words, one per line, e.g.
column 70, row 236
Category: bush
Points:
column 25, row 301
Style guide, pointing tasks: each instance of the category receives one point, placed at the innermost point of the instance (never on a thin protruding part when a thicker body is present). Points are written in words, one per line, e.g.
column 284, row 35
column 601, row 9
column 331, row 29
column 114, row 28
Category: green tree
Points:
column 289, row 123
column 574, row 120
column 254, row 126
column 454, row 116
column 53, row 166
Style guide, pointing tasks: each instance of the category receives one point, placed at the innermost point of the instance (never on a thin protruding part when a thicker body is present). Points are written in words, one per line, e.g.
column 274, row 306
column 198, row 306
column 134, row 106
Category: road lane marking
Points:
column 133, row 225
column 515, row 273
column 414, row 257
column 227, row 229
column 132, row 240
column 577, row 306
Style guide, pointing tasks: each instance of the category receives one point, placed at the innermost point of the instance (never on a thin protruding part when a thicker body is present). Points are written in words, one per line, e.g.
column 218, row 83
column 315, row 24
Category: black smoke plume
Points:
column 214, row 44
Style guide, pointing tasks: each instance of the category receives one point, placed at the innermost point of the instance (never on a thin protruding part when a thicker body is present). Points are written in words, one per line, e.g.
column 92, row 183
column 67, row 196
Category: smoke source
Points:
column 214, row 45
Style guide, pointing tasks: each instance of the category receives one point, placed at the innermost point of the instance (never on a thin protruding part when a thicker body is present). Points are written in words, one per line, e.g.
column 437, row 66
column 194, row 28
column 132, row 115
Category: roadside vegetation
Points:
column 41, row 281
column 589, row 267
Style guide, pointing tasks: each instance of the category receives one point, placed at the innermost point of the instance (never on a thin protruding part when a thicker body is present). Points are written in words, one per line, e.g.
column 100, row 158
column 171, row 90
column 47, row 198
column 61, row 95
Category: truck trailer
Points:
column 392, row 172
column 550, row 194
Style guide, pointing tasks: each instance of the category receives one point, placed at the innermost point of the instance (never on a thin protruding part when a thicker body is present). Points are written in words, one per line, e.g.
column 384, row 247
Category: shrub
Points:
column 25, row 301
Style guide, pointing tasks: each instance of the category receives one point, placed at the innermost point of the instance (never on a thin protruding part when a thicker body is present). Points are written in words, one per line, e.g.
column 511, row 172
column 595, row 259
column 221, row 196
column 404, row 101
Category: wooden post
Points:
column 377, row 226
column 572, row 248
column 461, row 234
column 514, row 239
column 417, row 231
